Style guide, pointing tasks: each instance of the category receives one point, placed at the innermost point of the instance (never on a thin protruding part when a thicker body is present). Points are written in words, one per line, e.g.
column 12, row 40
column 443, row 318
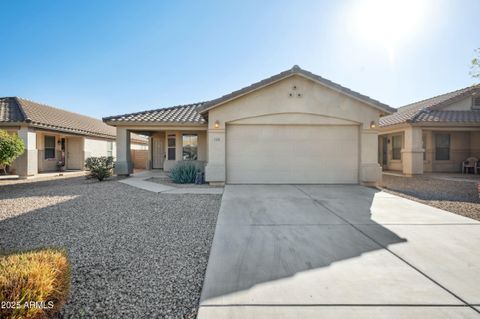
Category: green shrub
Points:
column 11, row 147
column 100, row 167
column 184, row 173
column 33, row 284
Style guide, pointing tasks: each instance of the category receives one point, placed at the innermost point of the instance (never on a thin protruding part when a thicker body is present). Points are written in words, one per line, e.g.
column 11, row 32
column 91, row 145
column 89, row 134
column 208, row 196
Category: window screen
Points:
column 442, row 147
column 49, row 147
column 396, row 147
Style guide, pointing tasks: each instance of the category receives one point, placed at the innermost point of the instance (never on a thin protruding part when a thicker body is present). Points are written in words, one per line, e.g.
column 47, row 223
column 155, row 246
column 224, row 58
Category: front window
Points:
column 110, row 149
column 442, row 147
column 171, row 147
column 49, row 147
column 396, row 147
column 424, row 146
column 189, row 142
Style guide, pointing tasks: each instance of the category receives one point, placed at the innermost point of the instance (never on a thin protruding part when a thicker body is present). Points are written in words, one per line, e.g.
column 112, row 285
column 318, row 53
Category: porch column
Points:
column 27, row 163
column 412, row 153
column 370, row 170
column 123, row 165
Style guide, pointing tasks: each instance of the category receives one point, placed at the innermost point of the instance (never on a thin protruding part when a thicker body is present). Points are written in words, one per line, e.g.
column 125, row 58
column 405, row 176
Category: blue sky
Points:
column 104, row 58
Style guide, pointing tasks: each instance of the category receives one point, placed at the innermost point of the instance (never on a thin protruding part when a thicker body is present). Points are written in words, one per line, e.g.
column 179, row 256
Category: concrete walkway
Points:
column 140, row 180
column 338, row 251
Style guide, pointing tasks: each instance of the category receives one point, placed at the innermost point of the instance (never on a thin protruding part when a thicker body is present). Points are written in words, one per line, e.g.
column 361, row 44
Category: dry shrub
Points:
column 41, row 276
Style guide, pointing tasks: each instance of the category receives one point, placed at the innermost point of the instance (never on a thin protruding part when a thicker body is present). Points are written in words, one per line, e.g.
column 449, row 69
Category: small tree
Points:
column 11, row 147
column 100, row 167
column 475, row 67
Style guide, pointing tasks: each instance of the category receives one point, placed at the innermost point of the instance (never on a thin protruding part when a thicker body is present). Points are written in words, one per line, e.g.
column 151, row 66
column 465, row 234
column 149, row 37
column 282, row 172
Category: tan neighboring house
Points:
column 294, row 127
column 51, row 135
column 433, row 135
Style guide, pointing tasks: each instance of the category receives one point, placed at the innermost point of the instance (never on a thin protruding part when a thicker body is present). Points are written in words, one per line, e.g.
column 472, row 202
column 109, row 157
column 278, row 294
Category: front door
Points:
column 157, row 153
column 74, row 153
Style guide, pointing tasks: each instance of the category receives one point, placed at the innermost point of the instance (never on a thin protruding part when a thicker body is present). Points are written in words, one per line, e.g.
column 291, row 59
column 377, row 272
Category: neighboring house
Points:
column 433, row 135
column 294, row 127
column 52, row 135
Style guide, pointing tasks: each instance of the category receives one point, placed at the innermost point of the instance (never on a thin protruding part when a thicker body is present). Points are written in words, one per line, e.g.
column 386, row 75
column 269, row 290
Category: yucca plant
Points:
column 184, row 173
column 33, row 284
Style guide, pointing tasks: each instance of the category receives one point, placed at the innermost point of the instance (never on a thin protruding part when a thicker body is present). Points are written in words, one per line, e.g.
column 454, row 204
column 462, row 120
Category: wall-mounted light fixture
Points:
column 216, row 124
column 372, row 124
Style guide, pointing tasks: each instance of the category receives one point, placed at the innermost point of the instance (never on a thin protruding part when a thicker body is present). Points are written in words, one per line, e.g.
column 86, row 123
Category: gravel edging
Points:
column 134, row 254
column 168, row 182
column 458, row 197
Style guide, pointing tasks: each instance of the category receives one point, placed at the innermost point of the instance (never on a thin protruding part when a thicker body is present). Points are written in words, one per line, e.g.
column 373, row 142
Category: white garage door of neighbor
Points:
column 283, row 154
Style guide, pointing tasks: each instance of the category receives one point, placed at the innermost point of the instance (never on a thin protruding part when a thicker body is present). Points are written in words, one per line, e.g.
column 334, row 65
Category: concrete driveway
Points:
column 318, row 251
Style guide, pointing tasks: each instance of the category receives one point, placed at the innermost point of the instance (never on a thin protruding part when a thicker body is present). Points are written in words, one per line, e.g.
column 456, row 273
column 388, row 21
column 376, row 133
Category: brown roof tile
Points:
column 15, row 109
column 417, row 112
column 188, row 113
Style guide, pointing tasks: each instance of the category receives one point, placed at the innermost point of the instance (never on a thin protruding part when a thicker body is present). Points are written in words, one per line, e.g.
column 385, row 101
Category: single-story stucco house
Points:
column 51, row 135
column 433, row 135
column 294, row 127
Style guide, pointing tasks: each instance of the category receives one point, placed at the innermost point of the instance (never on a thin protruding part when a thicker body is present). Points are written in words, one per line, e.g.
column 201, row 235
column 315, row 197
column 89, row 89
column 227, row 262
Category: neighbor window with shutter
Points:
column 49, row 147
column 442, row 147
column 396, row 147
column 476, row 103
column 171, row 147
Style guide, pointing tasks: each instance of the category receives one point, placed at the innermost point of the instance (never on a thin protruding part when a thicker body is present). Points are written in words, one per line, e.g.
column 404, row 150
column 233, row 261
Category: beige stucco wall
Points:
column 475, row 144
column 459, row 151
column 97, row 147
column 273, row 104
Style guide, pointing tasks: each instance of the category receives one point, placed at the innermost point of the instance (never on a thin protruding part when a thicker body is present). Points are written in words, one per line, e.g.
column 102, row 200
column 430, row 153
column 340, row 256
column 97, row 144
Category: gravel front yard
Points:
column 134, row 254
column 459, row 197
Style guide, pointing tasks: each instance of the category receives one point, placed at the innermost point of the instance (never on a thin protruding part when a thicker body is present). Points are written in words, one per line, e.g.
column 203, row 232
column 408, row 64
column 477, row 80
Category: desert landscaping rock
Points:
column 134, row 254
column 459, row 197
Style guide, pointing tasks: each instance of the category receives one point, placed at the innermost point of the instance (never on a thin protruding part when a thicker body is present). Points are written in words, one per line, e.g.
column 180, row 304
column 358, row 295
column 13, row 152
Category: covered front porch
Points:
column 167, row 145
column 414, row 150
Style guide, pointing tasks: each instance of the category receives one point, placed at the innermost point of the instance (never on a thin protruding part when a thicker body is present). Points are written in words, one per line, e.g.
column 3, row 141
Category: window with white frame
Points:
column 442, row 147
column 110, row 149
column 49, row 147
column 396, row 147
column 190, row 149
column 171, row 146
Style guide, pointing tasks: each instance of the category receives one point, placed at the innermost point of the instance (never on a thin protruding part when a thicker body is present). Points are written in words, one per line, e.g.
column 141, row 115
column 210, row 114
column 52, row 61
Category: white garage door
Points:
column 277, row 154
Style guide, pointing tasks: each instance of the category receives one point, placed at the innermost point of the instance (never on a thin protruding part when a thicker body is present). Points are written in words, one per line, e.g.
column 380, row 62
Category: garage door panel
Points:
column 292, row 154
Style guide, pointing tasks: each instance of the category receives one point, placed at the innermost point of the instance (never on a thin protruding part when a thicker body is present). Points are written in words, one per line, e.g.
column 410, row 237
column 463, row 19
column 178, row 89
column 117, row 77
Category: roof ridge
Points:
column 20, row 107
column 156, row 110
column 296, row 70
column 439, row 95
column 56, row 108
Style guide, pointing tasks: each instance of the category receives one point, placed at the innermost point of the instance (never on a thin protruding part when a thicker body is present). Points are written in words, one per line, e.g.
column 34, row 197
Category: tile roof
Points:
column 181, row 114
column 449, row 116
column 424, row 110
column 192, row 113
column 296, row 70
column 19, row 110
column 10, row 111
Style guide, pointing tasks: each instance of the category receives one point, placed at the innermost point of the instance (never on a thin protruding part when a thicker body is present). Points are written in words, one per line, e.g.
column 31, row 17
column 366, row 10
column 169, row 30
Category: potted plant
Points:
column 61, row 166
